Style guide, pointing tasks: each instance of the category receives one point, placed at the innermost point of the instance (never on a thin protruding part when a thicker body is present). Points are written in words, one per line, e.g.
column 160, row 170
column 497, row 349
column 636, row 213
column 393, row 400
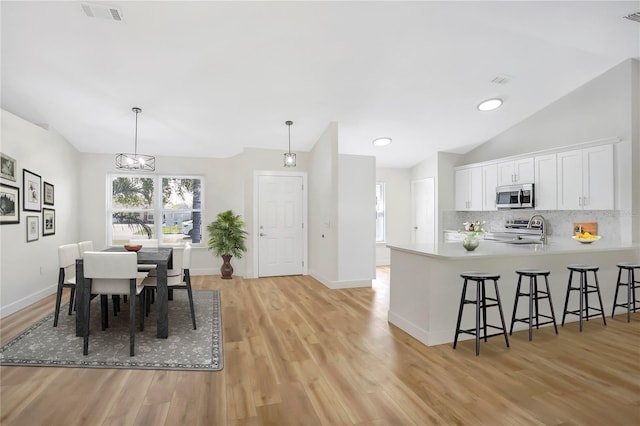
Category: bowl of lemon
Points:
column 586, row 237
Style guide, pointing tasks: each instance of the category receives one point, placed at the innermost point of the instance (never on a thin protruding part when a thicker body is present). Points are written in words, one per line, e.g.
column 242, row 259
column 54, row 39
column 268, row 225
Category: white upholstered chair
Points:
column 178, row 278
column 114, row 273
column 85, row 246
column 67, row 255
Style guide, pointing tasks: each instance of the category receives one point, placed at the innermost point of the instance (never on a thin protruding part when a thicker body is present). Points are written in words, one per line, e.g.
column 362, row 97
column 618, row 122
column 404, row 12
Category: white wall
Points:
column 397, row 212
column 356, row 220
column 29, row 271
column 254, row 159
column 604, row 108
column 223, row 191
column 323, row 207
column 340, row 188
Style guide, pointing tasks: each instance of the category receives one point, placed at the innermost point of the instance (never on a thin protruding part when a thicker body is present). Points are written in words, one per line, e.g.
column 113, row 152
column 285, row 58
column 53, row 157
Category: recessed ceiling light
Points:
column 490, row 104
column 382, row 141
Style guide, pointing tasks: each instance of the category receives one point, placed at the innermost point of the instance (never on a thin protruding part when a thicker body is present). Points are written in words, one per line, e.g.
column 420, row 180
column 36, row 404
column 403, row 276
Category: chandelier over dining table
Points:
column 135, row 161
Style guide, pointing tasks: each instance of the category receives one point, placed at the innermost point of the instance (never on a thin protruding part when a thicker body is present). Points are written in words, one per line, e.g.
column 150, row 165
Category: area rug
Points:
column 43, row 345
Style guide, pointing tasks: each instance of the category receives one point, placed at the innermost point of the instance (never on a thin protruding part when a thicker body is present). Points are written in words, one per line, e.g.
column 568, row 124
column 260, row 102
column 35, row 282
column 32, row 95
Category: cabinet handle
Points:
column 580, row 201
column 585, row 201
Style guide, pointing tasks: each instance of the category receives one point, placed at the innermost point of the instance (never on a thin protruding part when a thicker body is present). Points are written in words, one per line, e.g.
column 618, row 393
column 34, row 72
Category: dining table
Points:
column 160, row 256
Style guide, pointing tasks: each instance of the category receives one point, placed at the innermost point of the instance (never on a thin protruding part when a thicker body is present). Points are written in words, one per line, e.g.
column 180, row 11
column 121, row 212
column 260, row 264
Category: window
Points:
column 169, row 208
column 380, row 207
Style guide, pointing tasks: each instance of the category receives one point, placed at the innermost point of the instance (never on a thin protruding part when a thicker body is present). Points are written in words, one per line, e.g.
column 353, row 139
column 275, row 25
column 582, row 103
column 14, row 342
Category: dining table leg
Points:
column 162, row 301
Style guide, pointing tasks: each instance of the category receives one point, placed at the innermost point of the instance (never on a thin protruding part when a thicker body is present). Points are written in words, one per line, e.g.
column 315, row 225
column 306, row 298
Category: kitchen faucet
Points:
column 543, row 227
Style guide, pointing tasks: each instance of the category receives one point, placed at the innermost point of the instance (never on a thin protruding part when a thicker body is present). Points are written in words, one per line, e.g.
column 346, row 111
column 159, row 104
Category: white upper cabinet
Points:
column 469, row 189
column 585, row 179
column 489, row 183
column 546, row 182
column 515, row 171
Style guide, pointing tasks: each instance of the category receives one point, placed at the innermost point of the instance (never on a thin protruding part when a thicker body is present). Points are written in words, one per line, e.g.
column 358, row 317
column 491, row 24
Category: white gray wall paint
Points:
column 323, row 207
column 223, row 191
column 356, row 220
column 29, row 271
column 397, row 213
column 600, row 109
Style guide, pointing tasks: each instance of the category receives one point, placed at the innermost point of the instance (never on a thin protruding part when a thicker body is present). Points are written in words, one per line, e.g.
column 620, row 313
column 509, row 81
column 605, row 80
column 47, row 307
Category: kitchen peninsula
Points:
column 426, row 285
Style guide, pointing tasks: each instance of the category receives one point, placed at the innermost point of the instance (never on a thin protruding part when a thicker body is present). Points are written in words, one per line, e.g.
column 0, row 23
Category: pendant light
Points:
column 135, row 161
column 289, row 157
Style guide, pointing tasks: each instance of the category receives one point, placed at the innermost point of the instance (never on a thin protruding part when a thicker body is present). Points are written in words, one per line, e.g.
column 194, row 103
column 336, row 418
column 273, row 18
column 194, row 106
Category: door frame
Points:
column 256, row 216
column 413, row 208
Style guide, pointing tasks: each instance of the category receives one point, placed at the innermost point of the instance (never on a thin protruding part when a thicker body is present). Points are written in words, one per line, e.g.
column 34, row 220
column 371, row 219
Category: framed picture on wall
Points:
column 47, row 194
column 31, row 188
column 33, row 228
column 48, row 222
column 8, row 167
column 9, row 204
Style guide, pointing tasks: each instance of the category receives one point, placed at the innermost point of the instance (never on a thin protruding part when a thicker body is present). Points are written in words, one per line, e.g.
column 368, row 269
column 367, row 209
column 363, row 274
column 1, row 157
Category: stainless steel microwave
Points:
column 515, row 196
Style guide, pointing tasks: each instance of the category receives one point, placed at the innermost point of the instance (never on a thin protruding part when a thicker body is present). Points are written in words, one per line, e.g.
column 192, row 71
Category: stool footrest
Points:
column 482, row 336
column 624, row 305
column 598, row 313
column 526, row 321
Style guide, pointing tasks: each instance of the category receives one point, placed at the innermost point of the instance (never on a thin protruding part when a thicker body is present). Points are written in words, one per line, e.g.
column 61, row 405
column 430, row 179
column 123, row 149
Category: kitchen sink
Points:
column 522, row 241
column 515, row 240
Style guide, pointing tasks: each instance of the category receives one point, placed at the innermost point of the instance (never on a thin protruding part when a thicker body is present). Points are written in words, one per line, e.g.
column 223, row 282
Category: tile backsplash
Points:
column 559, row 222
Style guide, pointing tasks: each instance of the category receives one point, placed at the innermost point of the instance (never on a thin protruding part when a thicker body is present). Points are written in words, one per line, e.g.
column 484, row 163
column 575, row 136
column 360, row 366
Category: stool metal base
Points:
column 631, row 285
column 480, row 330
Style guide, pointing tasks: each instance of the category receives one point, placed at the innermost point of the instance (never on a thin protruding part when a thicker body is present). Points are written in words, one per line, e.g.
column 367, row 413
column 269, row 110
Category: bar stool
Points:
column 584, row 289
column 481, row 306
column 631, row 284
column 534, row 296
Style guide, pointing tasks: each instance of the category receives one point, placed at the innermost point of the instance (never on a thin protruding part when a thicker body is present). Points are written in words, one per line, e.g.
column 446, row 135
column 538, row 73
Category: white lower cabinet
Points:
column 585, row 179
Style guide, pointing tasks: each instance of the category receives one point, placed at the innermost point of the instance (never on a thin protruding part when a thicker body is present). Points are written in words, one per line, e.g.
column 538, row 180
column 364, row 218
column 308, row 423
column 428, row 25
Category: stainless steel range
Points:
column 518, row 231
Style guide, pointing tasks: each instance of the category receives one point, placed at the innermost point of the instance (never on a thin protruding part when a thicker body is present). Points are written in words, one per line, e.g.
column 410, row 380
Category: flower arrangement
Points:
column 474, row 229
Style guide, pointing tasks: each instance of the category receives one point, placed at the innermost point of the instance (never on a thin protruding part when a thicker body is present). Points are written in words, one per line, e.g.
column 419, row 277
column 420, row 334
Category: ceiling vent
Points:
column 93, row 10
column 634, row 16
column 501, row 79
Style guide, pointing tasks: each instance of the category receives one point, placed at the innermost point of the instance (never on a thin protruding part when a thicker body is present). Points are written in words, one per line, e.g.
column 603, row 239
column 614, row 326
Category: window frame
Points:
column 158, row 209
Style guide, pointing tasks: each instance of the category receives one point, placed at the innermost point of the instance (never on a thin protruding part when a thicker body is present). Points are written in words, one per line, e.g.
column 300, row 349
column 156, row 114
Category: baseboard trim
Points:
column 336, row 285
column 27, row 301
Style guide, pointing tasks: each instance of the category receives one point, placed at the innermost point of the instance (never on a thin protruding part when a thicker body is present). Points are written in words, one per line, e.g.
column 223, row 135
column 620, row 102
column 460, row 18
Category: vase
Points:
column 470, row 242
column 226, row 270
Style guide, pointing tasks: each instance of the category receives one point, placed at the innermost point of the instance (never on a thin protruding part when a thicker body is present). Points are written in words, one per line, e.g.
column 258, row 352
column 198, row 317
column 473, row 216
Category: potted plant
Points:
column 226, row 239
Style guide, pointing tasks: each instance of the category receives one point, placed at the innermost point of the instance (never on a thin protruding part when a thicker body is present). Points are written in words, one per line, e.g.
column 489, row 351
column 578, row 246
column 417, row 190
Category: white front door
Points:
column 423, row 211
column 280, row 225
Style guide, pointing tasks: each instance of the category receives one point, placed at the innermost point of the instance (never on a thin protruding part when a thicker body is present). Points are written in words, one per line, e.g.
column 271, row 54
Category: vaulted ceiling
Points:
column 215, row 77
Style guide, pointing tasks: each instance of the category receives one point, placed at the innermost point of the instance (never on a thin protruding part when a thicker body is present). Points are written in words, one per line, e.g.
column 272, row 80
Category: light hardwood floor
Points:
column 298, row 353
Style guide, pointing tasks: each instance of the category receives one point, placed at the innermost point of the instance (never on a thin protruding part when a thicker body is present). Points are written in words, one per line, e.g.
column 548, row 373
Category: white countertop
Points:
column 555, row 245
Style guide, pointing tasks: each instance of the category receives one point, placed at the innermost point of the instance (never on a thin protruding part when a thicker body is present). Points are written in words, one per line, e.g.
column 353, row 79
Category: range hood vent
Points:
column 93, row 10
column 634, row 16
